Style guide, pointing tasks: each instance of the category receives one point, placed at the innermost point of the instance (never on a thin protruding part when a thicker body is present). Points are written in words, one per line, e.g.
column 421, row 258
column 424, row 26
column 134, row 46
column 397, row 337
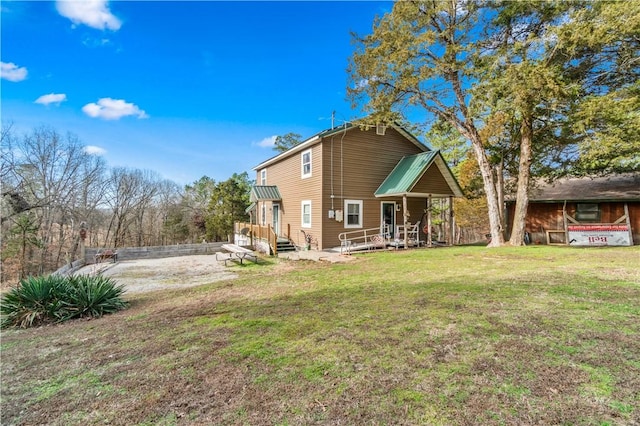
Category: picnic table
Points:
column 234, row 252
column 103, row 255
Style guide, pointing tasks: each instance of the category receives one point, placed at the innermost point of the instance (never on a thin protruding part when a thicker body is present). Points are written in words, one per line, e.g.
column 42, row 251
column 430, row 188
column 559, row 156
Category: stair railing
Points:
column 259, row 232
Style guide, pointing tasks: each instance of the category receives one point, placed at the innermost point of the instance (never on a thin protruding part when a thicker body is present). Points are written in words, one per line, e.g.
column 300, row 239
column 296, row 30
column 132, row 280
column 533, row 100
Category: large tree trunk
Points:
column 524, row 174
column 495, row 224
column 500, row 189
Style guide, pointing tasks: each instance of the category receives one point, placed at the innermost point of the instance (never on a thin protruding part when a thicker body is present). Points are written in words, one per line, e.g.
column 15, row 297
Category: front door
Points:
column 276, row 219
column 388, row 218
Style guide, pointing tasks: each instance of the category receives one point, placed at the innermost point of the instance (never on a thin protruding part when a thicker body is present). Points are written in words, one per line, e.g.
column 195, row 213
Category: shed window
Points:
column 306, row 163
column 588, row 212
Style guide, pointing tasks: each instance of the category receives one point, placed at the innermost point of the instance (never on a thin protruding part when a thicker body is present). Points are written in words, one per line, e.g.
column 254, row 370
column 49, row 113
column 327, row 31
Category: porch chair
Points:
column 377, row 241
column 412, row 231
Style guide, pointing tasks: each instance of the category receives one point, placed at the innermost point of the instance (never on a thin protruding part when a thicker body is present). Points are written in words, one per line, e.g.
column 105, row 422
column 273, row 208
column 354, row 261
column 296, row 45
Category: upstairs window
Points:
column 587, row 212
column 306, row 163
column 263, row 177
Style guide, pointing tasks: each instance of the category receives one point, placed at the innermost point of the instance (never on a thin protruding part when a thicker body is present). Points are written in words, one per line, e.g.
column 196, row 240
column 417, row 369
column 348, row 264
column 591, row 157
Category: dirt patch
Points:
column 144, row 275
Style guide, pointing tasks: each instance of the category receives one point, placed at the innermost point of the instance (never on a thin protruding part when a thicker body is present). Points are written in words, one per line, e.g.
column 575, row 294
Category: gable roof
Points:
column 406, row 175
column 622, row 187
column 306, row 144
column 265, row 193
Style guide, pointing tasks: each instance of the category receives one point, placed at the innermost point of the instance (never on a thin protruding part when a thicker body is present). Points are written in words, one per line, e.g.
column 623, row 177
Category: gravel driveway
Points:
column 158, row 274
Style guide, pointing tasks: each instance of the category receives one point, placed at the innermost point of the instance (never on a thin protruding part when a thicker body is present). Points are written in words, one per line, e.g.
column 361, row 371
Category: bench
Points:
column 236, row 253
column 103, row 255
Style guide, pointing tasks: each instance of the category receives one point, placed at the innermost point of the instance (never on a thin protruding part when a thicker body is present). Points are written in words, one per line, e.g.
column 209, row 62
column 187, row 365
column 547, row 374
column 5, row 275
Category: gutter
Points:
column 304, row 145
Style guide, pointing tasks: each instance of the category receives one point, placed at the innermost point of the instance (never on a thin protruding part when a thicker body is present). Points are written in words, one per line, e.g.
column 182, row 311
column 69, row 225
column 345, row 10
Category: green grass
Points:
column 465, row 335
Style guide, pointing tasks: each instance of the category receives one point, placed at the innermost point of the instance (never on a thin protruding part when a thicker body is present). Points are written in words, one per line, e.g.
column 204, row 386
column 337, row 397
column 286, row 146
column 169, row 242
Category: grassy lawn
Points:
column 447, row 336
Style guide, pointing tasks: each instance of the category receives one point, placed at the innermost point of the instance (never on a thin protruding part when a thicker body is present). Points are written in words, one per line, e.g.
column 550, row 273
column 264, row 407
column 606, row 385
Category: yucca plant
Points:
column 48, row 299
column 35, row 301
column 94, row 296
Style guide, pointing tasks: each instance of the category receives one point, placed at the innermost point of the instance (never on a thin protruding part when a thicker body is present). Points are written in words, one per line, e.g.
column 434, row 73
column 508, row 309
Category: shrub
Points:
column 94, row 296
column 49, row 299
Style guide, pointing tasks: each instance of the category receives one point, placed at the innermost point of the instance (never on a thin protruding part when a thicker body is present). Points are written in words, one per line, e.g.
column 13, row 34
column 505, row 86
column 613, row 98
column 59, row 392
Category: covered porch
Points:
column 264, row 231
column 416, row 206
column 427, row 177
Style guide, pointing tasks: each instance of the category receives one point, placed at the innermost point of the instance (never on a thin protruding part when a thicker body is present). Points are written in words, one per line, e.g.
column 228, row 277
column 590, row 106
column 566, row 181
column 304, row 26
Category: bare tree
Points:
column 130, row 194
column 43, row 174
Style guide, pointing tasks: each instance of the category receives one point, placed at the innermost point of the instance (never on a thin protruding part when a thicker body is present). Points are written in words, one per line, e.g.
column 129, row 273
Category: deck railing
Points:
column 264, row 233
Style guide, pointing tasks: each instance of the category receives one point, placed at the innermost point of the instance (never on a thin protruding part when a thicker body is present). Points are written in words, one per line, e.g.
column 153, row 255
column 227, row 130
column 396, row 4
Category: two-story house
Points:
column 347, row 180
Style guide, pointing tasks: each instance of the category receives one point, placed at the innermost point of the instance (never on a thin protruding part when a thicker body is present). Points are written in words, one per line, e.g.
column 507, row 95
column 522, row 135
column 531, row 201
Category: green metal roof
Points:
column 408, row 172
column 265, row 193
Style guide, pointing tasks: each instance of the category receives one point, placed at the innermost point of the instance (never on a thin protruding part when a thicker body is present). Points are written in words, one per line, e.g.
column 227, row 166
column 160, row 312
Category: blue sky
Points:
column 185, row 89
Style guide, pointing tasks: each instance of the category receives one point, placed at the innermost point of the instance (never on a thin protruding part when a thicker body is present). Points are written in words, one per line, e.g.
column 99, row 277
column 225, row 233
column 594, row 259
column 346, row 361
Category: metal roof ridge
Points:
column 349, row 125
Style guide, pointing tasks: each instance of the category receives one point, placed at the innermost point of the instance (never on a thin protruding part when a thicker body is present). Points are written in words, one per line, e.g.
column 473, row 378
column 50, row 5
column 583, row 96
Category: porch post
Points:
column 628, row 221
column 429, row 236
column 450, row 237
column 405, row 213
column 259, row 220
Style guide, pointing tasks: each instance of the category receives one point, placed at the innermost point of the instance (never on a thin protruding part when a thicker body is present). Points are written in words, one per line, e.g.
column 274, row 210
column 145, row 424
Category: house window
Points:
column 263, row 177
column 306, row 163
column 587, row 212
column 306, row 214
column 353, row 209
column 264, row 214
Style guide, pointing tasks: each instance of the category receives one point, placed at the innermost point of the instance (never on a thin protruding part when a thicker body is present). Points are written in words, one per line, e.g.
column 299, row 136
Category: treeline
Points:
column 53, row 189
column 524, row 89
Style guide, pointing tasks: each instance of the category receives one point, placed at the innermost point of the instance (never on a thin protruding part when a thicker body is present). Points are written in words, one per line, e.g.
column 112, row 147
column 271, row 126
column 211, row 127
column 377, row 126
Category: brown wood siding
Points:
column 432, row 182
column 542, row 217
column 286, row 174
column 361, row 161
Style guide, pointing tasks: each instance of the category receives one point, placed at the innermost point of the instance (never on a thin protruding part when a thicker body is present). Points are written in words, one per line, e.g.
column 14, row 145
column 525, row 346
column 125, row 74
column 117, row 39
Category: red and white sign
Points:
column 599, row 235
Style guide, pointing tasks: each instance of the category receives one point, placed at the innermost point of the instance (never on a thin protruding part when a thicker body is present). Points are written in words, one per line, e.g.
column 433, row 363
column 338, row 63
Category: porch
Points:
column 262, row 238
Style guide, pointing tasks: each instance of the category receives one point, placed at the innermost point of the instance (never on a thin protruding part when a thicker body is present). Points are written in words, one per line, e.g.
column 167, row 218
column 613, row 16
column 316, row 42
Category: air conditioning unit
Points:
column 380, row 129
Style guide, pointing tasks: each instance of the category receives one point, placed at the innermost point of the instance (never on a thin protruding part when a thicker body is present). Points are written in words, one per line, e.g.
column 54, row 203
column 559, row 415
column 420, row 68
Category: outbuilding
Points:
column 585, row 211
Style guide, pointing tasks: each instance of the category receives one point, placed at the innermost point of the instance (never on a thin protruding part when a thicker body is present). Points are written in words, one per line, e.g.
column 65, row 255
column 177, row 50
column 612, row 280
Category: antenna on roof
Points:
column 333, row 117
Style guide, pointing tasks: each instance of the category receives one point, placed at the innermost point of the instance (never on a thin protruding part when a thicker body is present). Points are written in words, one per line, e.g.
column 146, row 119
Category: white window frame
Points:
column 263, row 213
column 302, row 164
column 304, row 203
column 263, row 177
column 347, row 203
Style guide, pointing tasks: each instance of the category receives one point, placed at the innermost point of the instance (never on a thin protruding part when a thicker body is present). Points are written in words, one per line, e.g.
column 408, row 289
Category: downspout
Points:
column 450, row 236
column 429, row 236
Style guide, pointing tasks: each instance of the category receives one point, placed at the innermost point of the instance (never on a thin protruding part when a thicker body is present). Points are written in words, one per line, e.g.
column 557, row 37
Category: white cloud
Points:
column 112, row 109
column 267, row 142
column 92, row 13
column 365, row 82
column 94, row 150
column 10, row 71
column 51, row 98
column 93, row 42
